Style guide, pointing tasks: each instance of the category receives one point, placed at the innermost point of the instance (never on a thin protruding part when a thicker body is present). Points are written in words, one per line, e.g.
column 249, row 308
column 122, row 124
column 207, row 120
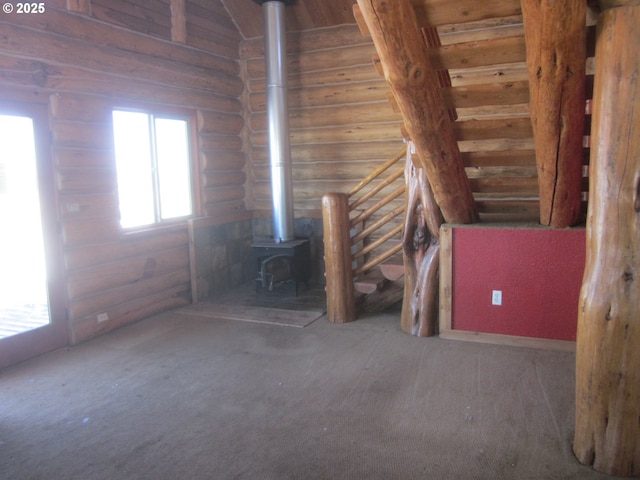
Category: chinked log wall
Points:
column 342, row 125
column 84, row 63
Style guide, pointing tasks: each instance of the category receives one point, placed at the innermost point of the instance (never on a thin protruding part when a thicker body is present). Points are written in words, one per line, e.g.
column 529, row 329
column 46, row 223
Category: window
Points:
column 153, row 166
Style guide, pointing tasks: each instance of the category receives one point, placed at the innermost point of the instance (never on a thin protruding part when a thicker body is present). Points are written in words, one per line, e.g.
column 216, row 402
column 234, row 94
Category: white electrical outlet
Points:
column 496, row 297
column 103, row 317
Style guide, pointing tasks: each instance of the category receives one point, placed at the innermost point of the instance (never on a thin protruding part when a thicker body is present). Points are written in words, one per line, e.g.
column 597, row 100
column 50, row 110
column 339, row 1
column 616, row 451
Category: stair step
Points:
column 391, row 294
column 369, row 283
column 393, row 268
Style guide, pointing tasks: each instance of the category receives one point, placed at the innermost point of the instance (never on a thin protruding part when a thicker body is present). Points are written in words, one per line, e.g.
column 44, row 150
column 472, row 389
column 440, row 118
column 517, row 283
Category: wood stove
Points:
column 284, row 258
column 281, row 264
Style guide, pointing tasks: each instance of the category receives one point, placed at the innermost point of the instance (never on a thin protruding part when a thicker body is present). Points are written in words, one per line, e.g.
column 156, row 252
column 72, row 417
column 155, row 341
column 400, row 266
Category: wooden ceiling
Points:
column 302, row 15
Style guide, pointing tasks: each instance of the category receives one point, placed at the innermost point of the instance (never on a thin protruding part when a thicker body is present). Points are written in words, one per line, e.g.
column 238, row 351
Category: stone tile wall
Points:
column 222, row 256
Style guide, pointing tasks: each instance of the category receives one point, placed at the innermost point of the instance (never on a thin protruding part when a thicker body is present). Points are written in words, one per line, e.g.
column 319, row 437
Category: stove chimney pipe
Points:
column 275, row 54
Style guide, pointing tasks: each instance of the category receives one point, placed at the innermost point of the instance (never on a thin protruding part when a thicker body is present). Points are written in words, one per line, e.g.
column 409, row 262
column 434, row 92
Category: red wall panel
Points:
column 538, row 270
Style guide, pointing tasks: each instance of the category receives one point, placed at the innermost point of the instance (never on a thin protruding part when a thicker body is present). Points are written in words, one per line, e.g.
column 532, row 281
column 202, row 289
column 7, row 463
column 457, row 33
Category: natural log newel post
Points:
column 421, row 248
column 341, row 306
column 607, row 432
column 555, row 33
column 415, row 86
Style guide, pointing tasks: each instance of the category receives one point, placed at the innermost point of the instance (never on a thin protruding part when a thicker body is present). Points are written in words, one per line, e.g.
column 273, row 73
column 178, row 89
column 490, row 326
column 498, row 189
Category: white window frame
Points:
column 155, row 195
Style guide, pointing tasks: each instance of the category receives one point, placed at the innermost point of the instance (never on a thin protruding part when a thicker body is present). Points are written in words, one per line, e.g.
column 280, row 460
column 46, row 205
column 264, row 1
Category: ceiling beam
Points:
column 408, row 70
column 555, row 35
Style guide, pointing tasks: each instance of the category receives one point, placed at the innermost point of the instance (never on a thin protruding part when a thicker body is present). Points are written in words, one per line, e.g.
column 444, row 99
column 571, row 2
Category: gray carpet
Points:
column 186, row 397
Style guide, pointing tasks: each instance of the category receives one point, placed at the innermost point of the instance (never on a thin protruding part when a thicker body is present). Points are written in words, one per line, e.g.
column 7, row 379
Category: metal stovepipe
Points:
column 275, row 42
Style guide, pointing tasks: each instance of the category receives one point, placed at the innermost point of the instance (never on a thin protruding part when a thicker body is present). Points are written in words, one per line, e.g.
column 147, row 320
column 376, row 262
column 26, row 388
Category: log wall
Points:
column 84, row 63
column 342, row 125
column 341, row 128
column 115, row 54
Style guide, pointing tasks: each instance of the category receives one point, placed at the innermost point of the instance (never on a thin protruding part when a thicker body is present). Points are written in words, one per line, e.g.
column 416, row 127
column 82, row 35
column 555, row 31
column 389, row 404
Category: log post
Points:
column 555, row 34
column 421, row 254
column 414, row 83
column 341, row 306
column 607, row 432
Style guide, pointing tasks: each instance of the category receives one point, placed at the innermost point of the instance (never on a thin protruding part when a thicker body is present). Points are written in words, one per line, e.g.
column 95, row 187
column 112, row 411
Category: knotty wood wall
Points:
column 83, row 64
column 342, row 125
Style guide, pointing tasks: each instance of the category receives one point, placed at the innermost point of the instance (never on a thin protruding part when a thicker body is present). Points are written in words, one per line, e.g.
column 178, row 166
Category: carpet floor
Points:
column 181, row 396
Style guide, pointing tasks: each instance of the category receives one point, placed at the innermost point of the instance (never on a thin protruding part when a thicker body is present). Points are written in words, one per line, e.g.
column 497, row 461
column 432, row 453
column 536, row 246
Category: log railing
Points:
column 348, row 253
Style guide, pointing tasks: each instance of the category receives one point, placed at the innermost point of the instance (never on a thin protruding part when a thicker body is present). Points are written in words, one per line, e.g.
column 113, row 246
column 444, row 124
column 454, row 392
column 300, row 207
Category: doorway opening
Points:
column 24, row 302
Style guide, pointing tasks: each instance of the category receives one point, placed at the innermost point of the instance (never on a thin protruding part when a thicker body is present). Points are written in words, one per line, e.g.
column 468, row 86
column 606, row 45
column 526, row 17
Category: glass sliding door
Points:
column 23, row 299
column 32, row 314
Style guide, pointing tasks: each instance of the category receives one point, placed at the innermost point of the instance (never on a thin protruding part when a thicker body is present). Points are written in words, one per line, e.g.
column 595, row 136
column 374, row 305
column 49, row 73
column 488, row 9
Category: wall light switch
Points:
column 496, row 297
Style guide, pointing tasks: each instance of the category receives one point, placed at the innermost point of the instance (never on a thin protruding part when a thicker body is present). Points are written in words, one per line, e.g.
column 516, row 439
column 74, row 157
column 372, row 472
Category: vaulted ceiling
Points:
column 302, row 15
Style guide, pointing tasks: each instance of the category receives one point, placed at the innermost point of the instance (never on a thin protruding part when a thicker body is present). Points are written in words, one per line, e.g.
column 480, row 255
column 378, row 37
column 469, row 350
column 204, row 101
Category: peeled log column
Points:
column 555, row 33
column 341, row 306
column 421, row 254
column 414, row 83
column 607, row 432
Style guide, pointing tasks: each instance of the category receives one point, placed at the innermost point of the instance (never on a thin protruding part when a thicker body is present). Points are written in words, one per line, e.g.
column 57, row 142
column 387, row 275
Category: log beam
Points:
column 607, row 432
column 178, row 21
column 555, row 34
column 414, row 83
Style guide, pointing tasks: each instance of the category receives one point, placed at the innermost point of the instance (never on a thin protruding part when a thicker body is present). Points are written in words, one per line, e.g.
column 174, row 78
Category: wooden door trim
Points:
column 35, row 342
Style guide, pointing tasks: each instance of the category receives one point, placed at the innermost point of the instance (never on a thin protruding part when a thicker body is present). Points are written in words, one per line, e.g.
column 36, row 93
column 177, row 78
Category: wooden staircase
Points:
column 363, row 243
column 379, row 254
column 381, row 287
